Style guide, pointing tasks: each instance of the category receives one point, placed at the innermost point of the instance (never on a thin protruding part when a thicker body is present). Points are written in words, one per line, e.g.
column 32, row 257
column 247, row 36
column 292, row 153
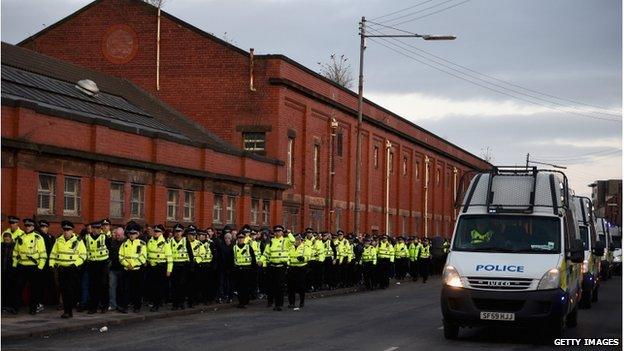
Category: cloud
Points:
column 418, row 106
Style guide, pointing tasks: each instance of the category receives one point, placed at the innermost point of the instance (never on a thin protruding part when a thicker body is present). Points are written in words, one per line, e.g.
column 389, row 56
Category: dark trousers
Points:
column 178, row 284
column 368, row 269
column 414, row 270
column 383, row 271
column 425, row 267
column 132, row 288
column 277, row 277
column 8, row 287
column 68, row 279
column 311, row 281
column 401, row 267
column 356, row 273
column 328, row 273
column 438, row 264
column 31, row 276
column 157, row 283
column 50, row 287
column 243, row 278
column 207, row 283
column 193, row 289
column 296, row 284
column 98, row 284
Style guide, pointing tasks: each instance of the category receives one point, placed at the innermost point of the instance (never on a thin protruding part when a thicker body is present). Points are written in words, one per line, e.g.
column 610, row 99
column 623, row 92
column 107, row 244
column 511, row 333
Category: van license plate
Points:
column 498, row 316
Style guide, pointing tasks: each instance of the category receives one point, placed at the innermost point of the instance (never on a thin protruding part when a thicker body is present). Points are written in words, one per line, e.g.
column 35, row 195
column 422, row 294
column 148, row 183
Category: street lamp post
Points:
column 358, row 147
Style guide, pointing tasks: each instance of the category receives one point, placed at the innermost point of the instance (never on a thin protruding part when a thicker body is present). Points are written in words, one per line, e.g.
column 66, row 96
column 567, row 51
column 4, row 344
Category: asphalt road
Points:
column 405, row 317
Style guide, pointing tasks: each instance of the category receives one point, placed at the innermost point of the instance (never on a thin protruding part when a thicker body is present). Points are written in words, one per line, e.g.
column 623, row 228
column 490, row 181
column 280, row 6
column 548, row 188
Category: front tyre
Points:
column 572, row 319
column 451, row 331
column 595, row 294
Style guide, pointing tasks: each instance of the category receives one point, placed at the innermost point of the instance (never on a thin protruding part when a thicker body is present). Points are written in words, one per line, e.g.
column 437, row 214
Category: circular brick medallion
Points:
column 120, row 43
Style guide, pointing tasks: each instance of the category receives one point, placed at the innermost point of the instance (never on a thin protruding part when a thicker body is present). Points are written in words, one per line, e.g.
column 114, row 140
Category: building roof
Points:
column 48, row 85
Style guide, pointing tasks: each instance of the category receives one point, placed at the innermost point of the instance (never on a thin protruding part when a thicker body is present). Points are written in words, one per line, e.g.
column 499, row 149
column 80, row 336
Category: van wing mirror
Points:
column 599, row 248
column 611, row 247
column 577, row 253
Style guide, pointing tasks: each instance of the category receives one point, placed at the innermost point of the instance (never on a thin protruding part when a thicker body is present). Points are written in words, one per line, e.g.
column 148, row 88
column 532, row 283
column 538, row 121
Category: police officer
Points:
column 244, row 261
column 49, row 282
column 29, row 259
column 298, row 258
column 13, row 228
column 276, row 255
column 412, row 247
column 342, row 258
column 160, row 265
column 385, row 257
column 424, row 259
column 68, row 253
column 181, row 262
column 97, row 264
column 401, row 258
column 197, row 252
column 106, row 226
column 132, row 256
column 206, row 268
column 368, row 262
column 329, row 264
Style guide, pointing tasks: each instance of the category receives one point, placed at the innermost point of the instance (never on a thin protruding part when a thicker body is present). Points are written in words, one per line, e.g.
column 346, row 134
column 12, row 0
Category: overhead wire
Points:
column 589, row 154
column 401, row 10
column 416, row 12
column 503, row 92
column 430, row 14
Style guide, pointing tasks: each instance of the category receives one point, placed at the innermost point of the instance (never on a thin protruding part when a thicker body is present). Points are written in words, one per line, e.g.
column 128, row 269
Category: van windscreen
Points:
column 514, row 234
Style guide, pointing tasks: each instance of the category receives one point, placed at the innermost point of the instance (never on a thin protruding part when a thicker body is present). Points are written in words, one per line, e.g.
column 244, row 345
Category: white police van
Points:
column 516, row 254
column 594, row 250
column 604, row 235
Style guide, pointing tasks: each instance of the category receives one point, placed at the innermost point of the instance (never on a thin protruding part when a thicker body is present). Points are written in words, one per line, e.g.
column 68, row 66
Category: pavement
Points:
column 403, row 317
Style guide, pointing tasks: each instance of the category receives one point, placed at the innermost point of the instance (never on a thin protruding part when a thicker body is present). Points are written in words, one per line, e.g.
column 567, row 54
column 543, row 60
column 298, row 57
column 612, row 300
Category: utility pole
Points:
column 527, row 162
column 358, row 146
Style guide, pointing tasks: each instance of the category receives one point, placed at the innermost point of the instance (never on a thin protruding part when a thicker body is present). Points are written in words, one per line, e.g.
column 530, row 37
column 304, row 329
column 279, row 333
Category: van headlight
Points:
column 617, row 259
column 450, row 277
column 550, row 280
column 585, row 267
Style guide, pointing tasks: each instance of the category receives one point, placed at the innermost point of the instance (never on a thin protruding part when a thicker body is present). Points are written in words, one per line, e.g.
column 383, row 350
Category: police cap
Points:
column 13, row 220
column 105, row 221
column 278, row 228
column 67, row 225
column 43, row 223
column 29, row 222
column 178, row 227
column 159, row 228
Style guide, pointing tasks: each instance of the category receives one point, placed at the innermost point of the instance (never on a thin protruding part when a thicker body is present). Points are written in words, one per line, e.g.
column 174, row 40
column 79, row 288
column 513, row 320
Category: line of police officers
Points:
column 182, row 267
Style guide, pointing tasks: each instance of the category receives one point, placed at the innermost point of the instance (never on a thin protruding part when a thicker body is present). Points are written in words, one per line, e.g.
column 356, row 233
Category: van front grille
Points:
column 507, row 284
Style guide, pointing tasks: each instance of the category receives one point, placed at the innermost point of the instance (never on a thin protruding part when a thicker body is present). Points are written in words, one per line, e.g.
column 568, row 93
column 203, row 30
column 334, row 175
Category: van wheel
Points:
column 595, row 294
column 451, row 331
column 585, row 299
column 554, row 331
column 572, row 319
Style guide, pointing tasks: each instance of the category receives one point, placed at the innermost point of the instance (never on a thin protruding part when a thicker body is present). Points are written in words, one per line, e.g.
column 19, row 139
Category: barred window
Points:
column 255, row 208
column 289, row 161
column 137, row 201
column 376, row 156
column 404, row 165
column 173, row 200
column 317, row 167
column 217, row 209
column 71, row 195
column 46, row 194
column 254, row 142
column 116, row 199
column 189, row 205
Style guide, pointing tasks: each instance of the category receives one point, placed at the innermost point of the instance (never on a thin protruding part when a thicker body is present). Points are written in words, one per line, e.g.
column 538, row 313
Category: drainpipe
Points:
column 454, row 192
column 333, row 124
column 251, row 70
column 426, row 196
column 158, row 48
column 388, row 147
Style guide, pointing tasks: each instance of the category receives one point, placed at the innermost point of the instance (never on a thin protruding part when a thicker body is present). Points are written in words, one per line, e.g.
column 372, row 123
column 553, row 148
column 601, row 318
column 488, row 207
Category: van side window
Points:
column 569, row 229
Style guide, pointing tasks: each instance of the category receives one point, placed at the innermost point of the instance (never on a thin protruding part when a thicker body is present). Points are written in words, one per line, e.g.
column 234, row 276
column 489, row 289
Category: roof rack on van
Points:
column 515, row 202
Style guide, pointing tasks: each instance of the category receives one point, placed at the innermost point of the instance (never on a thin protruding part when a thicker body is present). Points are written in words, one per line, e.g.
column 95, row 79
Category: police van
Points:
column 616, row 237
column 604, row 235
column 516, row 253
column 594, row 250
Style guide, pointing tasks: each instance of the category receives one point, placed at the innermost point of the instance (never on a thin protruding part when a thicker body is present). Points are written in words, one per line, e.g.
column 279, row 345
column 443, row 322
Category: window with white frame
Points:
column 137, row 201
column 173, row 200
column 317, row 167
column 116, row 199
column 338, row 213
column 376, row 156
column 46, row 192
column 404, row 165
column 217, row 209
column 266, row 212
column 71, row 193
column 254, row 142
column 189, row 205
column 231, row 209
column 255, row 209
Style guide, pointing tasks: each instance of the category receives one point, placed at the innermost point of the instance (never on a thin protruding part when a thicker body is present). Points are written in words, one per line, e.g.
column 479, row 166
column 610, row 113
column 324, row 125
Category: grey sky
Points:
column 567, row 48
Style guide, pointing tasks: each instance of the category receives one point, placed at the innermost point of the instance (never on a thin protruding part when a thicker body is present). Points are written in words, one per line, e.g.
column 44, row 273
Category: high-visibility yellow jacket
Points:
column 329, row 252
column 413, row 254
column 178, row 251
column 243, row 256
column 132, row 254
column 319, row 251
column 208, row 252
column 67, row 252
column 14, row 234
column 299, row 255
column 30, row 250
column 425, row 251
column 276, row 251
column 159, row 251
column 199, row 251
column 385, row 251
column 400, row 250
column 96, row 247
column 369, row 255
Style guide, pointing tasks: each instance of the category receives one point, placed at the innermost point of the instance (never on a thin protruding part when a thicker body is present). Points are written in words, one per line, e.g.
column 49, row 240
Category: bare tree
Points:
column 337, row 69
column 155, row 3
column 486, row 154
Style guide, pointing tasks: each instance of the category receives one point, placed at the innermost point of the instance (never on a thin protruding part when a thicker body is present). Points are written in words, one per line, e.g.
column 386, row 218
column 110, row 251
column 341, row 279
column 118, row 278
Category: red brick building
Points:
column 120, row 154
column 273, row 106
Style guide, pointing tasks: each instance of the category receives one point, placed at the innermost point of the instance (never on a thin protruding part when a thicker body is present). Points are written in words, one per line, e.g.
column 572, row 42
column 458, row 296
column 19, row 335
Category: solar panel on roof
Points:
column 33, row 87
